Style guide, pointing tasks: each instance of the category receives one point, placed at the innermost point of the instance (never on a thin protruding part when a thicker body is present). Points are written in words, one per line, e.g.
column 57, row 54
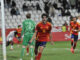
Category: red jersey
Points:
column 19, row 31
column 71, row 26
column 75, row 26
column 43, row 32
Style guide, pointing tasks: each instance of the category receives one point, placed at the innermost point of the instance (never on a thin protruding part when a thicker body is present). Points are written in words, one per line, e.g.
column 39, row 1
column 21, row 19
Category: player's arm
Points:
column 51, row 36
column 77, row 28
column 33, row 37
column 51, row 39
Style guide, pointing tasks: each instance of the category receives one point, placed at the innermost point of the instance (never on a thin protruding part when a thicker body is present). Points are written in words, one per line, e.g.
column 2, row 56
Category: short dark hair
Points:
column 19, row 26
column 28, row 15
column 44, row 14
column 74, row 17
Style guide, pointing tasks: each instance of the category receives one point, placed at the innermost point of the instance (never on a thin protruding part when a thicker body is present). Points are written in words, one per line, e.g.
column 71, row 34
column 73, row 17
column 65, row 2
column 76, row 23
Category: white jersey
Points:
column 10, row 36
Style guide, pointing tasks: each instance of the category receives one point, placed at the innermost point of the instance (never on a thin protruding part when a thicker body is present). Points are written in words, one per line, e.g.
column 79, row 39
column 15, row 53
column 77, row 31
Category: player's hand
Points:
column 30, row 41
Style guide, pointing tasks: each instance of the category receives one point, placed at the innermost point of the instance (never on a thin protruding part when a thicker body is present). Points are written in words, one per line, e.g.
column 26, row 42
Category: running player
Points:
column 75, row 29
column 28, row 30
column 10, row 37
column 43, row 35
column 71, row 33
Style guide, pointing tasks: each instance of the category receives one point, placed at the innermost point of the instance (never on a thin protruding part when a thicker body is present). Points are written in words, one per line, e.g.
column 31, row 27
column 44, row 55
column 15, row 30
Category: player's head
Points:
column 28, row 16
column 44, row 18
column 71, row 18
column 19, row 26
column 74, row 19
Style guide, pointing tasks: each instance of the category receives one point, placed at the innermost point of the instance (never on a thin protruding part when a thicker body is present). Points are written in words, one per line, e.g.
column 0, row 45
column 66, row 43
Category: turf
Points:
column 58, row 51
column 1, row 56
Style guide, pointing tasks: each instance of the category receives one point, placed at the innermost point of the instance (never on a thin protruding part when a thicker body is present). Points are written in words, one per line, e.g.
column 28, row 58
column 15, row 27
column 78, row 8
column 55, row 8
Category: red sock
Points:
column 74, row 46
column 36, row 58
column 27, row 49
column 39, row 56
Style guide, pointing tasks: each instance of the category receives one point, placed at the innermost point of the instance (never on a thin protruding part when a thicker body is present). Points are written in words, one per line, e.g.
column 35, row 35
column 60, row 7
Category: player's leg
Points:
column 11, row 45
column 7, row 43
column 19, row 40
column 28, row 39
column 36, row 49
column 75, row 41
column 27, row 49
column 31, row 47
column 22, row 52
column 9, row 39
column 40, row 52
column 72, row 43
column 42, row 46
column 72, row 39
column 23, row 47
column 32, row 51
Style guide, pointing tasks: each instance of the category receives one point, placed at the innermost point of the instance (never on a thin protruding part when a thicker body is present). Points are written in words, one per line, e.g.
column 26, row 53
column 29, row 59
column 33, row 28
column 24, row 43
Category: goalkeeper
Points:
column 28, row 29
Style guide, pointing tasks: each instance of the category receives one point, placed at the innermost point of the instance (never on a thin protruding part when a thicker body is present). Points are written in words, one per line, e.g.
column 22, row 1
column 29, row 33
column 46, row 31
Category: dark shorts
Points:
column 75, row 37
column 40, row 44
column 72, row 35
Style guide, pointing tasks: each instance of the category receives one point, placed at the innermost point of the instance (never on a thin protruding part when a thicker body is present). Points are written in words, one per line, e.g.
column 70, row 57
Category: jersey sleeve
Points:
column 36, row 28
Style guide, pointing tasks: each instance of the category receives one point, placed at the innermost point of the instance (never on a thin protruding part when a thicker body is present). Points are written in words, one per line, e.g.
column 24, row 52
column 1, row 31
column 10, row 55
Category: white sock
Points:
column 31, row 58
column 11, row 47
column 27, row 53
column 20, row 58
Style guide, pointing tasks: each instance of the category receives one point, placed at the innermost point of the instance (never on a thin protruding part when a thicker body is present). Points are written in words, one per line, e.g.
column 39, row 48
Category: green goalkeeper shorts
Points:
column 26, row 40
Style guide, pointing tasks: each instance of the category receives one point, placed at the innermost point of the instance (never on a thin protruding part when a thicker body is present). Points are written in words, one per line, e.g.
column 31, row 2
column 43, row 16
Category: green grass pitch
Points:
column 58, row 51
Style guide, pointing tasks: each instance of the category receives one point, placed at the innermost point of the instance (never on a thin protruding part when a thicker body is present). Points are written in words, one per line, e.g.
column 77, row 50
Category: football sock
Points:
column 74, row 46
column 32, row 51
column 22, row 52
column 27, row 49
column 11, row 46
column 39, row 56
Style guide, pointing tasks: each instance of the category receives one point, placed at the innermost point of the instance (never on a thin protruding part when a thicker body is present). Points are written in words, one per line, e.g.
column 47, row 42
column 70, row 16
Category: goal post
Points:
column 3, row 29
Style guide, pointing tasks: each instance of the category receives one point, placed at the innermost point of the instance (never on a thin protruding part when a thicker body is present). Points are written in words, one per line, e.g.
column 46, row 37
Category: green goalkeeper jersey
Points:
column 28, row 27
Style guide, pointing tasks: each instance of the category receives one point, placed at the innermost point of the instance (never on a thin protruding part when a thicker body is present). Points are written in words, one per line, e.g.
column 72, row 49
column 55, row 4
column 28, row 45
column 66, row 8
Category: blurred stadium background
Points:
column 60, row 12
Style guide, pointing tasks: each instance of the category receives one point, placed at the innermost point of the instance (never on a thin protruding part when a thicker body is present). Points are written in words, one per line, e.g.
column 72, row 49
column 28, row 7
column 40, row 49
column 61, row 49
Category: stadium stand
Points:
column 15, row 20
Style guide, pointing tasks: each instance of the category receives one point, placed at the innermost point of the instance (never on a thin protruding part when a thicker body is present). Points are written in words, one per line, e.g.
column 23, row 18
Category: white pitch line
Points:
column 62, row 49
column 54, row 49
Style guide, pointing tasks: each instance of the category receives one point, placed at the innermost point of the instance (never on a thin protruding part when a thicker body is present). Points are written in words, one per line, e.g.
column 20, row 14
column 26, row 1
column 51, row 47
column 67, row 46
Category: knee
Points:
column 31, row 46
column 41, row 49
